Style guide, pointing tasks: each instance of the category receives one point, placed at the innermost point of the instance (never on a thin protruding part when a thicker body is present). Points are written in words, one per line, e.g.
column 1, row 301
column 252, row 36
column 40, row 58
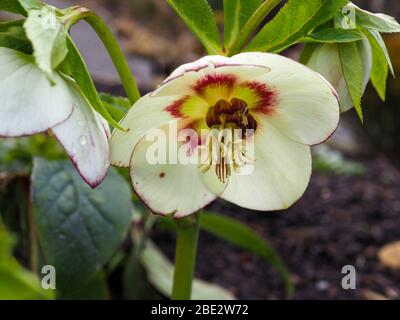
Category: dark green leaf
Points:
column 352, row 72
column 79, row 228
column 95, row 289
column 242, row 236
column 380, row 67
column 236, row 14
column 295, row 20
column 199, row 18
column 15, row 38
column 12, row 6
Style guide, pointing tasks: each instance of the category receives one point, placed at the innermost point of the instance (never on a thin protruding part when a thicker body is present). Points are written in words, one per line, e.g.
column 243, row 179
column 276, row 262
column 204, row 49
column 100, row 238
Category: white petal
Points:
column 306, row 107
column 148, row 113
column 282, row 170
column 28, row 103
column 177, row 189
column 84, row 137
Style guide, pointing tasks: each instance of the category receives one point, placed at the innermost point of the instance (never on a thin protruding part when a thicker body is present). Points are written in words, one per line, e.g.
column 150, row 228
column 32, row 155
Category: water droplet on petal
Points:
column 83, row 140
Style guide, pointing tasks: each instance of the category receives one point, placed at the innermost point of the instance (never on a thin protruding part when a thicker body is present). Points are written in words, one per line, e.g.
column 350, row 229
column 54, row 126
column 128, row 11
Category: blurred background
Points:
column 350, row 214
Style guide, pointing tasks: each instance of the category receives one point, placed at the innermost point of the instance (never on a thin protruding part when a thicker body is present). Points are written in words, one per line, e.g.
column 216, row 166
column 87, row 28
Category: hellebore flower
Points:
column 287, row 106
column 326, row 61
column 29, row 104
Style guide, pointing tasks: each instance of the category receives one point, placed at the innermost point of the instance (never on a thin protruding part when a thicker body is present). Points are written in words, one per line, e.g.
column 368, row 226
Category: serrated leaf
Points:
column 382, row 44
column 79, row 228
column 380, row 67
column 236, row 14
column 377, row 21
column 352, row 72
column 333, row 35
column 160, row 273
column 48, row 37
column 199, row 17
column 15, row 281
column 242, row 236
column 295, row 20
column 75, row 67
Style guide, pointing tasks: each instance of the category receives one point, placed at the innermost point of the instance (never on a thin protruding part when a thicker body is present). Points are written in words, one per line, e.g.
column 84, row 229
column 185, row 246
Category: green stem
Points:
column 76, row 14
column 185, row 256
column 249, row 28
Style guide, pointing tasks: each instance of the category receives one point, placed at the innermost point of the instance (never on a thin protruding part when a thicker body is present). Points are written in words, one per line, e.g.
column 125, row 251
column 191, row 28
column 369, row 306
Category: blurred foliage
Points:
column 16, row 282
column 327, row 160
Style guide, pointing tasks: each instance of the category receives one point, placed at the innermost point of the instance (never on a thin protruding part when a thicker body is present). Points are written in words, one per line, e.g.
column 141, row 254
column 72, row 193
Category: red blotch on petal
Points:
column 175, row 109
column 214, row 80
column 266, row 97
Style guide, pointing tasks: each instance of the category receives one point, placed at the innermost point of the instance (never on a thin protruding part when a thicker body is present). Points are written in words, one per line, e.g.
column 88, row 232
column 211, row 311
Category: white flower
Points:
column 29, row 104
column 289, row 107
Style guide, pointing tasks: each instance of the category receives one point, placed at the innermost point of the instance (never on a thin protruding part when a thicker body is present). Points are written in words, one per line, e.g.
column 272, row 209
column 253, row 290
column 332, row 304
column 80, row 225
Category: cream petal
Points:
column 84, row 136
column 29, row 104
column 148, row 113
column 306, row 106
column 281, row 173
column 169, row 187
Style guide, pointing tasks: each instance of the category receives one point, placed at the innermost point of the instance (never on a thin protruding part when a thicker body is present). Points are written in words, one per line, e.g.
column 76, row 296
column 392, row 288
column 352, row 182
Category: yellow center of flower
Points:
column 230, row 124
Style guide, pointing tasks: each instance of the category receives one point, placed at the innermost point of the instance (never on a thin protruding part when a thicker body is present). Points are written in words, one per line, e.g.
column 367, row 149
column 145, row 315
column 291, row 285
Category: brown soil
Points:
column 340, row 220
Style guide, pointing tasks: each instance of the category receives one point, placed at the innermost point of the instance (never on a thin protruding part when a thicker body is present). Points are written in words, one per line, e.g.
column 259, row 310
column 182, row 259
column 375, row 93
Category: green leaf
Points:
column 160, row 273
column 199, row 17
column 16, row 283
column 31, row 4
column 79, row 228
column 352, row 72
column 242, row 236
column 333, row 35
column 295, row 20
column 236, row 14
column 48, row 37
column 380, row 66
column 12, row 6
column 14, row 37
column 95, row 289
column 75, row 67
column 116, row 106
column 377, row 21
column 382, row 44
column 135, row 283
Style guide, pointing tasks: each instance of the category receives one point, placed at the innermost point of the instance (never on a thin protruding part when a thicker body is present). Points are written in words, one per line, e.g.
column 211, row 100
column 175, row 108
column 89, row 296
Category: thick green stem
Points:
column 185, row 256
column 251, row 26
column 111, row 44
